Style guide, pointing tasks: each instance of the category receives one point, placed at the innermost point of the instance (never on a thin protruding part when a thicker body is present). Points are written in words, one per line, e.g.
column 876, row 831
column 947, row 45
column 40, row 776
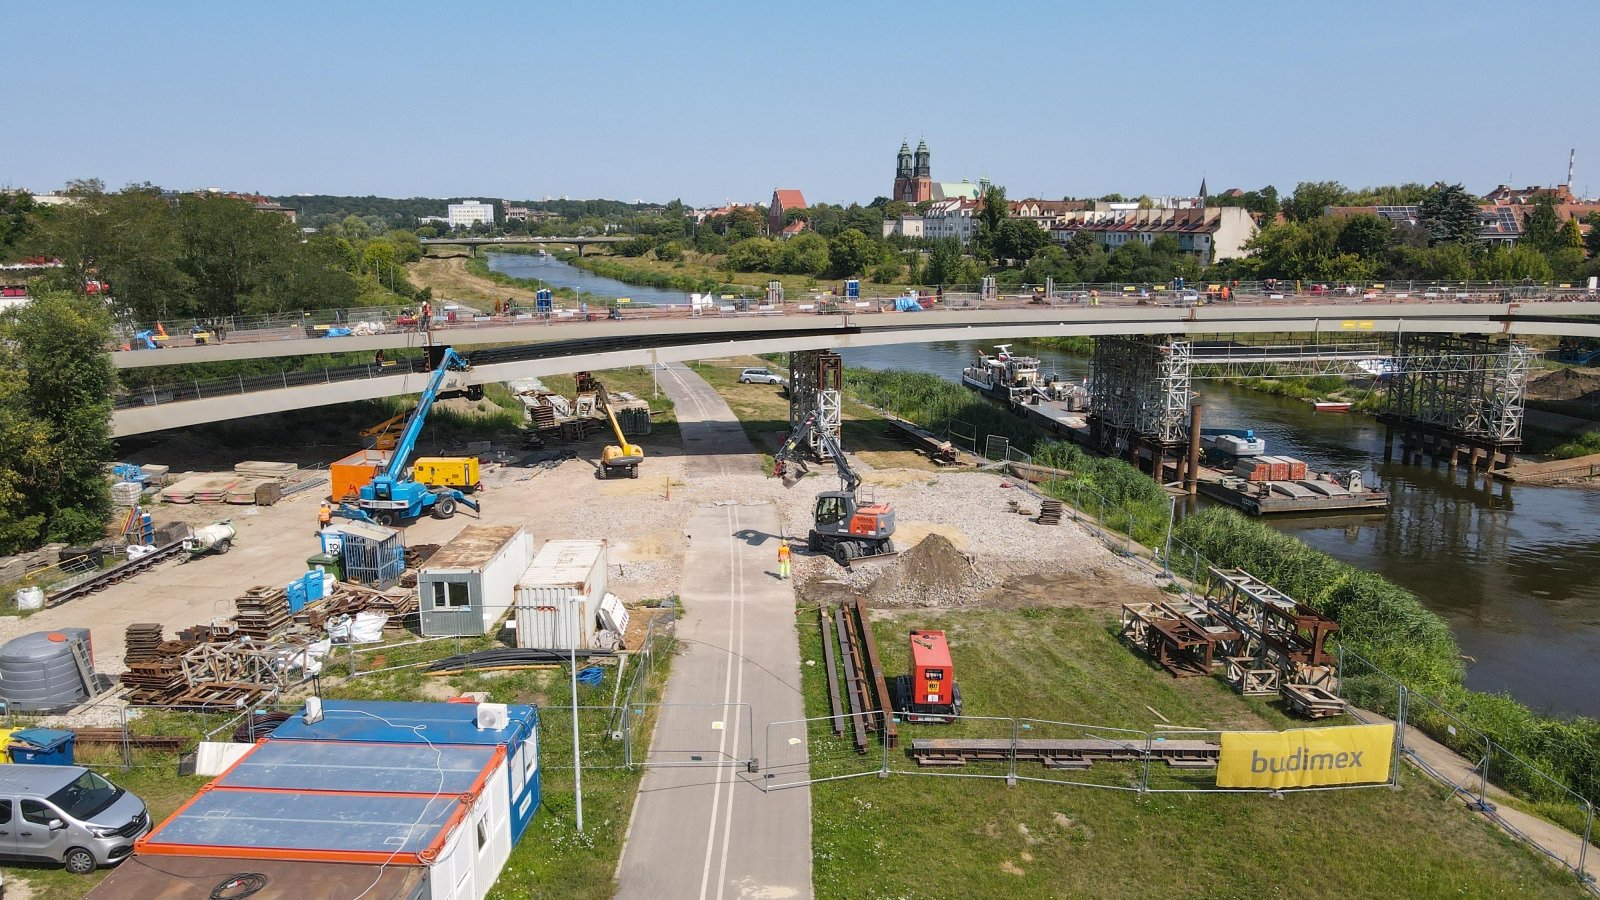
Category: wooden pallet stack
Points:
column 142, row 640
column 263, row 612
column 154, row 683
column 1050, row 512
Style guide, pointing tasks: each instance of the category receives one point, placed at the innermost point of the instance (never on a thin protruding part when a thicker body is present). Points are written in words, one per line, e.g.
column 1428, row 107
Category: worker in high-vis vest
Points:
column 324, row 517
column 783, row 560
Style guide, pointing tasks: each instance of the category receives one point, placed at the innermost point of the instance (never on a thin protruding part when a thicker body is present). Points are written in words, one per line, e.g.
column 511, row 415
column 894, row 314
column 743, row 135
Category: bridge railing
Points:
column 449, row 315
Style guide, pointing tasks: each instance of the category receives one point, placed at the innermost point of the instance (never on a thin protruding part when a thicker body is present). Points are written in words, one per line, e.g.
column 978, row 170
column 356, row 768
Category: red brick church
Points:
column 913, row 177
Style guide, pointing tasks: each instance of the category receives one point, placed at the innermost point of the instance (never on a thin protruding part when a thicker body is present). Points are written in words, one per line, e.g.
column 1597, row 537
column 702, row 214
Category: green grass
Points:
column 154, row 779
column 763, row 411
column 1582, row 445
column 910, row 836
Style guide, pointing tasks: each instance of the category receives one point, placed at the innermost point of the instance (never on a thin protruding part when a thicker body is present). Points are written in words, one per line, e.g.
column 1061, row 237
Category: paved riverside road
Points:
column 702, row 827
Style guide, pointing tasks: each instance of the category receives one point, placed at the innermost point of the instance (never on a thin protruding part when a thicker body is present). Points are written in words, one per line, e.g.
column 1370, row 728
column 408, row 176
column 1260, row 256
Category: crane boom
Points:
column 451, row 360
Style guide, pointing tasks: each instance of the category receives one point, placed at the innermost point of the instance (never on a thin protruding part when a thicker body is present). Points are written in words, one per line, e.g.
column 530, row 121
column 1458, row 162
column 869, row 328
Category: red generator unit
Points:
column 930, row 693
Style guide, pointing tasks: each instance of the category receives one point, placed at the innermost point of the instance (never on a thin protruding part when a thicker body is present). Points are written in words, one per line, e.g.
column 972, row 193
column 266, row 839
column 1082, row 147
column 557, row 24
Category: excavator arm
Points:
column 789, row 454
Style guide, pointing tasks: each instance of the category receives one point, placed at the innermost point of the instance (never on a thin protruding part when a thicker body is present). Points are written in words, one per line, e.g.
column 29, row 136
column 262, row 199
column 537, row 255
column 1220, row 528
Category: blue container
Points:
column 42, row 747
column 297, row 595
column 852, row 289
column 313, row 583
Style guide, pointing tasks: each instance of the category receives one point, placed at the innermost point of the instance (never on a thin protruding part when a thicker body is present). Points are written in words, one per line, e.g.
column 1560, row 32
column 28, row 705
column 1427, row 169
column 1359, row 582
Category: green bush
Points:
column 1582, row 445
column 1388, row 626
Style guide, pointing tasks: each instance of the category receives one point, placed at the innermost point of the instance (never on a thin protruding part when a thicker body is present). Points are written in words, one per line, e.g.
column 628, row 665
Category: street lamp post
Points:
column 577, row 757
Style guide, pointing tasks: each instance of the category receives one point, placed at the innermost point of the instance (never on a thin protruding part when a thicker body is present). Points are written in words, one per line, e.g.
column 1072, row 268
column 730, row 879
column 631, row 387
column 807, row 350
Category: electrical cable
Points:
column 438, row 765
column 237, row 887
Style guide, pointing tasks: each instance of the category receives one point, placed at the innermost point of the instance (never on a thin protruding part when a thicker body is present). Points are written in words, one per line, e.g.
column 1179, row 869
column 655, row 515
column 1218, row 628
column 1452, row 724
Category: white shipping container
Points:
column 558, row 597
column 470, row 584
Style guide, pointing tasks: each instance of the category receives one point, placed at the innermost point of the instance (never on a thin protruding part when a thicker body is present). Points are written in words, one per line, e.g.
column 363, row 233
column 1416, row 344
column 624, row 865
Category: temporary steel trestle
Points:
column 1451, row 395
column 816, row 378
column 1445, row 394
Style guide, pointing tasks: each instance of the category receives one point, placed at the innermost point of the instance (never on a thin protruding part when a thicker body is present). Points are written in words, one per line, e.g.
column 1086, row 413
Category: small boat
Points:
column 1330, row 406
column 1233, row 441
column 1004, row 376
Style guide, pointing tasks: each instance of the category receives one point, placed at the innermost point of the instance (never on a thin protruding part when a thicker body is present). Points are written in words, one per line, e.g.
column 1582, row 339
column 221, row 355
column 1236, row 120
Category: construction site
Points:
column 931, row 613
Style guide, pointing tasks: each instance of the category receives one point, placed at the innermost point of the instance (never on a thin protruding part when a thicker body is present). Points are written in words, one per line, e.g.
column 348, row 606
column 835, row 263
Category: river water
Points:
column 557, row 274
column 1515, row 571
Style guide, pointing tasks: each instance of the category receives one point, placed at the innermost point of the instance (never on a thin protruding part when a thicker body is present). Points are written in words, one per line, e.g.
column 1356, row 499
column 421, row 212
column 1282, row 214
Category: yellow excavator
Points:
column 622, row 457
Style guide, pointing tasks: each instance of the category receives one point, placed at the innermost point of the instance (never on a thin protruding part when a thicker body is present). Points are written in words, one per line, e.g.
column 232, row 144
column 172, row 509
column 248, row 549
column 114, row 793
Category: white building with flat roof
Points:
column 470, row 212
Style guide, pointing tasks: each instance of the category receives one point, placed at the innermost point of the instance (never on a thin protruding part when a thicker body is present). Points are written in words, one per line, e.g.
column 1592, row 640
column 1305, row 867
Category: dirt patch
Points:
column 895, row 477
column 1100, row 588
column 1011, row 868
column 1566, row 384
column 909, row 534
column 450, row 278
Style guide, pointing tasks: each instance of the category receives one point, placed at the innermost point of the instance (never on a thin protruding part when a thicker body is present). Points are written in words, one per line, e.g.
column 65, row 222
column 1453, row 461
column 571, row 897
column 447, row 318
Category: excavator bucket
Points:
column 875, row 559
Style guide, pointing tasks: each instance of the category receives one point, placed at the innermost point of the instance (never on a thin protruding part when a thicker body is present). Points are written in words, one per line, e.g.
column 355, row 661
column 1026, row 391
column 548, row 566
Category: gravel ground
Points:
column 972, row 511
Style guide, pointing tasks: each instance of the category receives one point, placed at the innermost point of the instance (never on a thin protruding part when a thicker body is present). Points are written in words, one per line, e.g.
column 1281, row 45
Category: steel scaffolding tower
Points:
column 1139, row 390
column 1461, row 387
column 815, row 381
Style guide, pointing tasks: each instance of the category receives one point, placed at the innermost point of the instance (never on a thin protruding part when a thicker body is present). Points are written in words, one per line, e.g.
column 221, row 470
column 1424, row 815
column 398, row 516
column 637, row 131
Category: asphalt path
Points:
column 702, row 826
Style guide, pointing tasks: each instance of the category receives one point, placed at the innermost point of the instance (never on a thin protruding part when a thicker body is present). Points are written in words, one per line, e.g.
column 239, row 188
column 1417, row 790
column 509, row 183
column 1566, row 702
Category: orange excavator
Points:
column 841, row 525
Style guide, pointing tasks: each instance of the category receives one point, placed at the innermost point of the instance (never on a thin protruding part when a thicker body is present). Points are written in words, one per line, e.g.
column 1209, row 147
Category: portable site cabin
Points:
column 442, row 809
column 467, row 587
column 395, row 722
column 558, row 597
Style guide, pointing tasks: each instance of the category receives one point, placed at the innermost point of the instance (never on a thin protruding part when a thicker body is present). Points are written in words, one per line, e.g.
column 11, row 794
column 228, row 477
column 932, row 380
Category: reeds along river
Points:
column 1515, row 571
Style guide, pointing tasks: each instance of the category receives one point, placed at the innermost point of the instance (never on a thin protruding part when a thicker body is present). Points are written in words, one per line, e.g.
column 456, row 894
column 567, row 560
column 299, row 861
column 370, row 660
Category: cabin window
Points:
column 450, row 595
column 483, row 834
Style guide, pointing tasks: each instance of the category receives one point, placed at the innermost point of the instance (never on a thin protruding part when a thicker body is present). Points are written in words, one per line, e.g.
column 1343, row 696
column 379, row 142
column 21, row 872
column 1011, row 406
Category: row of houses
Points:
column 1210, row 234
column 1502, row 220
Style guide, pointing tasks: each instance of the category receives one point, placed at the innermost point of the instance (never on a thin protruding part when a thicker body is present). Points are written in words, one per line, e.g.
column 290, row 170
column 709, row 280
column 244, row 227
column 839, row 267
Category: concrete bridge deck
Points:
column 1123, row 317
column 612, row 344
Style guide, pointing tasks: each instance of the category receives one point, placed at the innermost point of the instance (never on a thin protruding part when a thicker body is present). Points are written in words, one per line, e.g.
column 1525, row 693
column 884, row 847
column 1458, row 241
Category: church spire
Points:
column 924, row 168
column 902, row 168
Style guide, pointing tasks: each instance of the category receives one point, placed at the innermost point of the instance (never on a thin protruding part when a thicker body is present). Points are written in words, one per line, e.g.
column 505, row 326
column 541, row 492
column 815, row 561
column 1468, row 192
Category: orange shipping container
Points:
column 1297, row 468
column 347, row 476
column 1277, row 467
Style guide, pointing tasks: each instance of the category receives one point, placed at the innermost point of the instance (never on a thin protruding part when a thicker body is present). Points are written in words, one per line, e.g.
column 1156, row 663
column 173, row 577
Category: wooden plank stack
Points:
column 143, row 641
column 1049, row 512
column 154, row 683
column 263, row 612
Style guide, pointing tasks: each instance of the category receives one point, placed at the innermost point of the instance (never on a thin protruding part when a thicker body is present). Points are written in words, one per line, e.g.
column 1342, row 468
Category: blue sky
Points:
column 709, row 101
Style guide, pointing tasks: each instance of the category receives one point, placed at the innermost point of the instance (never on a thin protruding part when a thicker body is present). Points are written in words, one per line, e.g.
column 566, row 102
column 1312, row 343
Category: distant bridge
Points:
column 607, row 344
column 473, row 243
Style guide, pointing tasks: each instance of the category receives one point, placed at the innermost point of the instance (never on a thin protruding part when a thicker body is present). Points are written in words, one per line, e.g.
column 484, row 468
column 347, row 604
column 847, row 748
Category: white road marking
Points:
column 738, row 701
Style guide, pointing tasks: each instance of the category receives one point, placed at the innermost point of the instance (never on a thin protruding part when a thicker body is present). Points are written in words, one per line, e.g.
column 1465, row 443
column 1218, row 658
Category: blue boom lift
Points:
column 393, row 495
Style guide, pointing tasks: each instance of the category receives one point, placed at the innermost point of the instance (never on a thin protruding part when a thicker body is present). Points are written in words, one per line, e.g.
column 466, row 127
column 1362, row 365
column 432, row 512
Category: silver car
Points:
column 67, row 814
column 759, row 376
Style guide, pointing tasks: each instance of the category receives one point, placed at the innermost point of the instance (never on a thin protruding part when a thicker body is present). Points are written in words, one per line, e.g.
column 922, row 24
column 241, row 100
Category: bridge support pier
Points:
column 1456, row 394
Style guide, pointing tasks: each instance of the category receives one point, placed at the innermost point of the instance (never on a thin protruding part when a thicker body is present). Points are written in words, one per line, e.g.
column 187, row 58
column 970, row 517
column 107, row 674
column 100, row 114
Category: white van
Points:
column 67, row 814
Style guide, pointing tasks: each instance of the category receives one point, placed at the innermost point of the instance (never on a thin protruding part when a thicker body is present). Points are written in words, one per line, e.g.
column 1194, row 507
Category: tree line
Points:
column 1443, row 244
column 166, row 256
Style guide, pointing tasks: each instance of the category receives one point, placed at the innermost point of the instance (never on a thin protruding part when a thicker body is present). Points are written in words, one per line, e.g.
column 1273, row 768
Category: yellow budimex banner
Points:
column 1306, row 757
